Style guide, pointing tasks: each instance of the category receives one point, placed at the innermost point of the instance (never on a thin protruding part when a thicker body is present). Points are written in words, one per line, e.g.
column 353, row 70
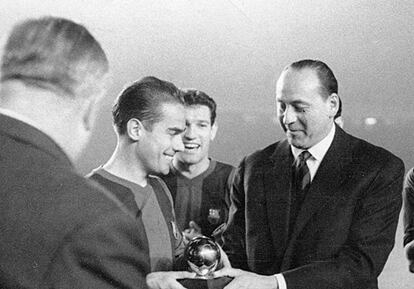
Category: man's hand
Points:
column 409, row 252
column 167, row 280
column 193, row 231
column 224, row 259
column 243, row 279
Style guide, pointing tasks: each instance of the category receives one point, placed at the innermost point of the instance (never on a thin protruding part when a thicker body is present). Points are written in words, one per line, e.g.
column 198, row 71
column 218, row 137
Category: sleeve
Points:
column 408, row 194
column 104, row 254
column 280, row 281
column 179, row 264
column 408, row 198
column 179, row 241
column 370, row 239
column 227, row 190
column 234, row 234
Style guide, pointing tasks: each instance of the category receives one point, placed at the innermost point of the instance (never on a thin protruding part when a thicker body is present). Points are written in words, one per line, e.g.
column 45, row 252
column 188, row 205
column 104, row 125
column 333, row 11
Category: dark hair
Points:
column 197, row 97
column 53, row 53
column 327, row 79
column 143, row 100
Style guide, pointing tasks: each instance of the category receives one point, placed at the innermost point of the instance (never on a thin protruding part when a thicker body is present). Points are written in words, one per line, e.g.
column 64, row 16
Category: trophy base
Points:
column 199, row 283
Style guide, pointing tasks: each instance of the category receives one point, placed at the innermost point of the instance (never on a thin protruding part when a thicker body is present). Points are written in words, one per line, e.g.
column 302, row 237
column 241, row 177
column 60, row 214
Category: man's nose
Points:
column 289, row 116
column 189, row 132
column 178, row 145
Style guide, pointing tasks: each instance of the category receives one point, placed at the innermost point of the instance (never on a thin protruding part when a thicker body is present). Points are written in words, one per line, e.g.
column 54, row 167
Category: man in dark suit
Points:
column 319, row 209
column 58, row 230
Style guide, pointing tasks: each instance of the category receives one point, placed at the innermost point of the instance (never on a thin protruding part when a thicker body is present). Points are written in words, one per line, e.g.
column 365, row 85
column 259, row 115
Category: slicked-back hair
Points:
column 197, row 97
column 52, row 53
column 143, row 100
column 327, row 79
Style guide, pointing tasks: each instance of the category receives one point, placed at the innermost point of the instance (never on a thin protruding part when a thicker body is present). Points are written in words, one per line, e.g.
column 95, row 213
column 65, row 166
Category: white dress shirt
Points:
column 318, row 152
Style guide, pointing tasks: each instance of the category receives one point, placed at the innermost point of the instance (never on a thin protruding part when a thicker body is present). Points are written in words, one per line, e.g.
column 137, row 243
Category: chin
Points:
column 190, row 160
column 297, row 144
column 165, row 171
column 162, row 171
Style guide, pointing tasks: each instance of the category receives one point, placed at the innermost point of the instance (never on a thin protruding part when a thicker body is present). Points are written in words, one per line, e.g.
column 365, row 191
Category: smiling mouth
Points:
column 191, row 146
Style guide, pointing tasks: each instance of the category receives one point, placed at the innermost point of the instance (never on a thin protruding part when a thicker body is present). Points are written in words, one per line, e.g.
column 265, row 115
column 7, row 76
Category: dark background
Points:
column 234, row 51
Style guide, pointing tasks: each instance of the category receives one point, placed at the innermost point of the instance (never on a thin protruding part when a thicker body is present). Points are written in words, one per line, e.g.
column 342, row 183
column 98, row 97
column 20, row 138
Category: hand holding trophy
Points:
column 203, row 257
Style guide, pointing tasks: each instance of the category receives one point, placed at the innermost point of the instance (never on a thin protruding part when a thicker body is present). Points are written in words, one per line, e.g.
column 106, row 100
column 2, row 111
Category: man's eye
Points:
column 301, row 109
column 173, row 132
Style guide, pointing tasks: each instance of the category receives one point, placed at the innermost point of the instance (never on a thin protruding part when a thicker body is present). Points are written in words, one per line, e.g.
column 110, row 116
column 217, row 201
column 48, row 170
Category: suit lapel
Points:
column 277, row 174
column 325, row 184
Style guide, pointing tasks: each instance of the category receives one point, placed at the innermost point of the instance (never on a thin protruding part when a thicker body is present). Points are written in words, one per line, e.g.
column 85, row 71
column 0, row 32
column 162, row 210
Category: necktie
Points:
column 302, row 174
column 300, row 184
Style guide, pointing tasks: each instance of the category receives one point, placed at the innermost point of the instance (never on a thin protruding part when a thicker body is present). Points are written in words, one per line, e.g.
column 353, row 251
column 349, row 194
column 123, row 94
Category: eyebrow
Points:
column 203, row 121
column 295, row 102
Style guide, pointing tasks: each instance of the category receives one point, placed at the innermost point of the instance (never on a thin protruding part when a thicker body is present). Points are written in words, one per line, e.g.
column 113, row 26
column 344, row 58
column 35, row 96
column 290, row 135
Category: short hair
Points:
column 197, row 97
column 143, row 100
column 52, row 53
column 327, row 79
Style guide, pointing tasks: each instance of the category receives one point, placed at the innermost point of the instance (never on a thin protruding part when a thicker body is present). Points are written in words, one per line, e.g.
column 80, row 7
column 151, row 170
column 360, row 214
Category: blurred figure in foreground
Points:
column 58, row 230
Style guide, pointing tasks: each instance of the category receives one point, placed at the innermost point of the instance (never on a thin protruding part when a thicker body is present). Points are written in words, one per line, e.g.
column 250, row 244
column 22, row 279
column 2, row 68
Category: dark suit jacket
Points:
column 59, row 230
column 345, row 229
column 408, row 195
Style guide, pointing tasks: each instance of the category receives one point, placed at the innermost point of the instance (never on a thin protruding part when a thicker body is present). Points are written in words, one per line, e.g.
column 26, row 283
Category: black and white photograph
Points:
column 221, row 144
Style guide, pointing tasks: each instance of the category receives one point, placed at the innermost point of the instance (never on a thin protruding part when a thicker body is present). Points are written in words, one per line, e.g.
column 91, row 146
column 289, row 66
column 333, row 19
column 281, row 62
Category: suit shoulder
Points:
column 373, row 154
column 260, row 155
column 88, row 191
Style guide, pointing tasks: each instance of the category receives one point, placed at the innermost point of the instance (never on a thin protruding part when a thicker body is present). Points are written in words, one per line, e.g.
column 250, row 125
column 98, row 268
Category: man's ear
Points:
column 89, row 97
column 89, row 113
column 333, row 102
column 214, row 129
column 134, row 129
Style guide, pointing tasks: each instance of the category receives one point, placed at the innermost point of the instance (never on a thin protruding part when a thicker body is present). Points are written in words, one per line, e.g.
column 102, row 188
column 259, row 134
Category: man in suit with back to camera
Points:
column 58, row 230
column 198, row 183
column 319, row 209
column 149, row 121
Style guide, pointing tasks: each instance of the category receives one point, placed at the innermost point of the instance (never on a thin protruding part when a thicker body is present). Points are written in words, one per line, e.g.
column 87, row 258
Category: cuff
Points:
column 281, row 281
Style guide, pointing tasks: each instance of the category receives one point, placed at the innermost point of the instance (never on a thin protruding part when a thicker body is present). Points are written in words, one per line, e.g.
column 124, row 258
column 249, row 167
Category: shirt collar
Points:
column 319, row 150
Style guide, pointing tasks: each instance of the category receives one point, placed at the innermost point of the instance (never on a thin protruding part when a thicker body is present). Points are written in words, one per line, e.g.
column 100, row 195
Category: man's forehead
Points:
column 198, row 110
column 293, row 81
column 293, row 76
column 172, row 112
